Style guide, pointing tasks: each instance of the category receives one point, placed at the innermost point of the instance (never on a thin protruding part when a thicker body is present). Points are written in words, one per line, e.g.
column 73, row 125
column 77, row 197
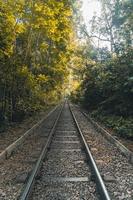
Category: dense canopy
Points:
column 107, row 85
column 34, row 52
column 47, row 52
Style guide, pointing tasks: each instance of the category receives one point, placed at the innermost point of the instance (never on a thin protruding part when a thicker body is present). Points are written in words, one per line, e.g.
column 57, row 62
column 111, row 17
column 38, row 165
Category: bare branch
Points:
column 95, row 36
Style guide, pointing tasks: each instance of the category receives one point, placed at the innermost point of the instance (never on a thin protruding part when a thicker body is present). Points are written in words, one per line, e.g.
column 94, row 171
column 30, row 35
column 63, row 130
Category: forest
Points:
column 34, row 51
column 106, row 87
column 46, row 53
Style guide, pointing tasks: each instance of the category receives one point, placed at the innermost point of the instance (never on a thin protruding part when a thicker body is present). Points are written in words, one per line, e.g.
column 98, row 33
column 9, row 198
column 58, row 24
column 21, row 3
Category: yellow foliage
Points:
column 38, row 7
column 42, row 78
column 44, row 46
column 20, row 28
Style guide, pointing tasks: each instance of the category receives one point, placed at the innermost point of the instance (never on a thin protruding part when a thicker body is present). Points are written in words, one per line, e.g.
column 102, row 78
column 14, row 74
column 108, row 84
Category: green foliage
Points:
column 110, row 85
column 108, row 88
column 107, row 81
column 120, row 125
column 115, row 24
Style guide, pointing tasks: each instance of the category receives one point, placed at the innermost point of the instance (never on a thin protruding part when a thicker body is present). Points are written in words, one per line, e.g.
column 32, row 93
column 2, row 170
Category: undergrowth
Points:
column 120, row 125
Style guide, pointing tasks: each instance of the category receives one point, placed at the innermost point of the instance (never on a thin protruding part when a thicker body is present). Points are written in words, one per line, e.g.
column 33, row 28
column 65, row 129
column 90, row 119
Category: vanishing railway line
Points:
column 56, row 161
column 65, row 168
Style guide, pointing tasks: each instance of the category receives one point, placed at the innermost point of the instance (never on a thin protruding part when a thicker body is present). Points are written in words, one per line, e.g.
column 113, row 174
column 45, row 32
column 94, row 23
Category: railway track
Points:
column 112, row 158
column 22, row 156
column 65, row 169
column 7, row 152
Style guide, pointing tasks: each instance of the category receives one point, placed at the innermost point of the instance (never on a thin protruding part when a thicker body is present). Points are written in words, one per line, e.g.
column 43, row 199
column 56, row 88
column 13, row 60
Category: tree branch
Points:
column 95, row 36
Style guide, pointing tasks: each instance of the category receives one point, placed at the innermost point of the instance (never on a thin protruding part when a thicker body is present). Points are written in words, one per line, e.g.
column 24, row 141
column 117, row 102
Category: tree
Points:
column 107, row 82
column 34, row 40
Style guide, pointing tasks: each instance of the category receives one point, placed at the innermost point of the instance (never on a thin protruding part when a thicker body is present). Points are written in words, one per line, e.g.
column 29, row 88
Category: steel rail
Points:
column 107, row 135
column 99, row 181
column 6, row 153
column 30, row 183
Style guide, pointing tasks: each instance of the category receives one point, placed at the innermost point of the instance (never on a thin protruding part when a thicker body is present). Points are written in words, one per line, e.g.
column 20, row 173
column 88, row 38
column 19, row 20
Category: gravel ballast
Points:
column 15, row 171
column 65, row 173
column 117, row 172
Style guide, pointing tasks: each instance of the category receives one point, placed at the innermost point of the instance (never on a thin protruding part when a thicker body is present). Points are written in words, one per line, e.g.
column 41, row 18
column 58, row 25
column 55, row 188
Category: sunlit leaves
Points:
column 34, row 52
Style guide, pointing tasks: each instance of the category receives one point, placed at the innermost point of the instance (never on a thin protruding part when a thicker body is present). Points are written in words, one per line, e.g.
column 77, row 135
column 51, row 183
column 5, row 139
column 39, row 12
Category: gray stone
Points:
column 93, row 149
column 79, row 161
column 109, row 178
column 21, row 178
column 101, row 162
